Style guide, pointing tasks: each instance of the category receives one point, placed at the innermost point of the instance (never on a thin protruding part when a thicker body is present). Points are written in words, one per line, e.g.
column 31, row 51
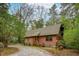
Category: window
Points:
column 48, row 38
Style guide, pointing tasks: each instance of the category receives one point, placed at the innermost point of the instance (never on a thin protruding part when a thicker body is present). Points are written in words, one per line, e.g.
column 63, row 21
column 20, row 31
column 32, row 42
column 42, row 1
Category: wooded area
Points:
column 15, row 24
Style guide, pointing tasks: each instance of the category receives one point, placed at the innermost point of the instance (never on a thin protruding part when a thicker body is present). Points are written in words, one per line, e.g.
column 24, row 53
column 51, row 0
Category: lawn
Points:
column 63, row 52
column 8, row 51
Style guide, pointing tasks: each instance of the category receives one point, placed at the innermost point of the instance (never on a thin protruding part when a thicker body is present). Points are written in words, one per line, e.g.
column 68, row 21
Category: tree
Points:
column 71, row 32
column 10, row 26
column 3, row 23
column 35, row 24
column 68, row 15
column 22, row 14
column 54, row 14
column 50, row 22
column 19, row 30
column 3, row 8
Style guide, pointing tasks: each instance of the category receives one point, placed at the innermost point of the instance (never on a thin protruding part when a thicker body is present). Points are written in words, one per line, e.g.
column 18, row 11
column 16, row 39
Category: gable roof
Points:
column 49, row 30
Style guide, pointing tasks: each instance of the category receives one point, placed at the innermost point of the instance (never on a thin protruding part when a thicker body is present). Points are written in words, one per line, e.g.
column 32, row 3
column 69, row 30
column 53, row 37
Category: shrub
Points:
column 71, row 38
column 61, row 43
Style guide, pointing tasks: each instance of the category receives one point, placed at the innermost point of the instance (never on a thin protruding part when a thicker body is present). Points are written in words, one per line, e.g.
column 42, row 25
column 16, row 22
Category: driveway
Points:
column 30, row 51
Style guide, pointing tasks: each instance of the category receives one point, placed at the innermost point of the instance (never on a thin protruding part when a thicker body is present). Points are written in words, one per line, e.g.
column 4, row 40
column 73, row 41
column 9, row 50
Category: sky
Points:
column 15, row 5
column 46, row 5
column 39, row 1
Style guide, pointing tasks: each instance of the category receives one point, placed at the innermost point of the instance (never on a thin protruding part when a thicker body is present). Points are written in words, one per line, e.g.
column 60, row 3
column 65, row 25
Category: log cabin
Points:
column 47, row 36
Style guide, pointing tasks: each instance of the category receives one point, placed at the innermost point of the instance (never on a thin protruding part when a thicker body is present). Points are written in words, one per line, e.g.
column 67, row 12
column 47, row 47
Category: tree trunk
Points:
column 19, row 39
column 5, row 43
column 4, row 40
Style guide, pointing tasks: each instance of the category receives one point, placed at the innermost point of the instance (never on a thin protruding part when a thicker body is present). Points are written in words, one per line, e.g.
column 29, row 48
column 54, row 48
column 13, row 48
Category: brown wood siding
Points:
column 42, row 41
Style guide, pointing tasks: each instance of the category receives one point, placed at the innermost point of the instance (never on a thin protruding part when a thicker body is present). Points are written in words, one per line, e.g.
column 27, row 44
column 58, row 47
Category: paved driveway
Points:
column 30, row 51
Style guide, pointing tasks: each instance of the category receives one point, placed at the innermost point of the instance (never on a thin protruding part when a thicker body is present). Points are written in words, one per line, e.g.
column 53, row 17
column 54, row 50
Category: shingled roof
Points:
column 49, row 30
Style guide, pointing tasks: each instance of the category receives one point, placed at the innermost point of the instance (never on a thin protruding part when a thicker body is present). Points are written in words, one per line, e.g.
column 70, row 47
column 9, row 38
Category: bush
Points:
column 13, row 40
column 71, row 38
column 61, row 43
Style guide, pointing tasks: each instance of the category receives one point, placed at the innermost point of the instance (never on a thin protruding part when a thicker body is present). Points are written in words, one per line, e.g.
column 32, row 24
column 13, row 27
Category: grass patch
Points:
column 63, row 52
column 8, row 51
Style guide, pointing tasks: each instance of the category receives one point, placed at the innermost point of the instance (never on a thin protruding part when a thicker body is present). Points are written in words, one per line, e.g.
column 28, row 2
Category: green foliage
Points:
column 71, row 32
column 35, row 24
column 71, row 38
column 76, row 5
column 61, row 43
column 13, row 29
column 13, row 40
column 3, row 8
column 10, row 26
column 4, row 32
